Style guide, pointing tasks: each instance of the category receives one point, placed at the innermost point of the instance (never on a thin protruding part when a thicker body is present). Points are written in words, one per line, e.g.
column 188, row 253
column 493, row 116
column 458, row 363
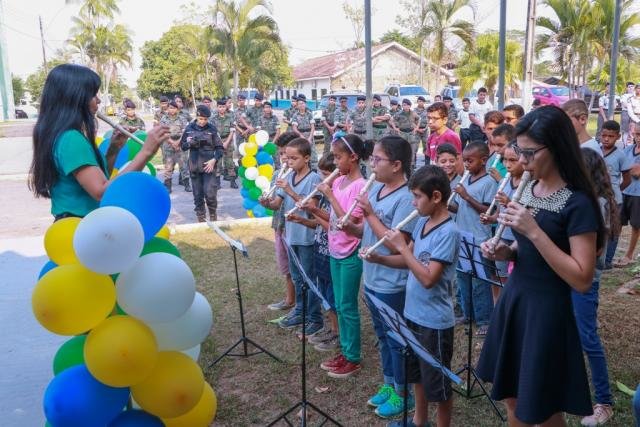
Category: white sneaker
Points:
column 601, row 414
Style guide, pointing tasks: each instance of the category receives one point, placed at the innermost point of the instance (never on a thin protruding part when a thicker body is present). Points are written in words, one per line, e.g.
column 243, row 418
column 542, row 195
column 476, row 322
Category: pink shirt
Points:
column 448, row 137
column 341, row 244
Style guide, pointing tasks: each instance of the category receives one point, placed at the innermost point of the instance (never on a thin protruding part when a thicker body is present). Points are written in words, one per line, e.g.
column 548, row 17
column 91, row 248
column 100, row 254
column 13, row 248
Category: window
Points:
column 288, row 95
column 323, row 92
column 314, row 93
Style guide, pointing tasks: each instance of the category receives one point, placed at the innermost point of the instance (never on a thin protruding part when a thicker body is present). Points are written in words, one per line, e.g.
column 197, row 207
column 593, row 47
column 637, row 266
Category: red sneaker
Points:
column 331, row 364
column 344, row 371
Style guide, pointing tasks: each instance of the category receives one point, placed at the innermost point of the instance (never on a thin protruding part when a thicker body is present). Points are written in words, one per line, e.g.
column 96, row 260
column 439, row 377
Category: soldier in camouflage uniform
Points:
column 406, row 123
column 269, row 122
column 393, row 110
column 242, row 127
column 171, row 152
column 358, row 117
column 289, row 112
column 423, row 130
column 164, row 103
column 328, row 124
column 131, row 121
column 341, row 116
column 303, row 125
column 380, row 117
column 184, row 111
column 223, row 121
column 254, row 113
column 452, row 115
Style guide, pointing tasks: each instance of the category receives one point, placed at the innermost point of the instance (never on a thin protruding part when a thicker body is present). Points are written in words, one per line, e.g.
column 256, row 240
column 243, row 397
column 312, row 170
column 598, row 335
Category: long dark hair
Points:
column 602, row 186
column 550, row 126
column 64, row 106
column 397, row 148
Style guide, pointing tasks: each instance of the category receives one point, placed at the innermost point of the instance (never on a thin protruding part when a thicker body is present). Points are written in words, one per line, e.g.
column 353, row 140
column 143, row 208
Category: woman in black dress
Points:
column 532, row 351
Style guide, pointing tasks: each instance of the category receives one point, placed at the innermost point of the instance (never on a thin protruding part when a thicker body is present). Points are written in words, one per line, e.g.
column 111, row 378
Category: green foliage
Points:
column 411, row 43
column 18, row 88
column 35, row 81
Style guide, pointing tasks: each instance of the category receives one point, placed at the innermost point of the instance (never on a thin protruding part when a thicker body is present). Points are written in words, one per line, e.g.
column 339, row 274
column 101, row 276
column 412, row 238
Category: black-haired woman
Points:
column 67, row 167
column 532, row 352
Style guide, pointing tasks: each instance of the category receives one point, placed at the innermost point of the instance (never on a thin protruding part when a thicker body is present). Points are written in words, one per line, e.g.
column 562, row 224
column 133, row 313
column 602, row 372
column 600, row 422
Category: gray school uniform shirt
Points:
column 390, row 210
column 634, row 158
column 593, row 144
column 617, row 163
column 433, row 308
column 483, row 190
column 298, row 234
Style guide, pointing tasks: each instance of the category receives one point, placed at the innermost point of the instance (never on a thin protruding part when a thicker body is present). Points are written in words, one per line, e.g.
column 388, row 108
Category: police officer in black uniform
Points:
column 206, row 149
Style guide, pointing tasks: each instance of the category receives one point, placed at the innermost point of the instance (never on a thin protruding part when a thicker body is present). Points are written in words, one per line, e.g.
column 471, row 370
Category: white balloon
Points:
column 251, row 173
column 160, row 287
column 262, row 183
column 108, row 240
column 145, row 169
column 241, row 149
column 262, row 137
column 188, row 330
column 193, row 352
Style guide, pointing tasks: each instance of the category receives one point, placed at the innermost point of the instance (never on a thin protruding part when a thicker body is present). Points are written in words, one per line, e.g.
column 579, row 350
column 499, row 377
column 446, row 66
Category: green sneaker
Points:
column 394, row 406
column 384, row 392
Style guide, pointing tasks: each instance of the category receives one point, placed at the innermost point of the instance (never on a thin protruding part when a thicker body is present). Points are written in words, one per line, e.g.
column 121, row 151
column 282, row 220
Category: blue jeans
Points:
column 482, row 299
column 612, row 244
column 305, row 255
column 585, row 308
column 636, row 406
column 390, row 351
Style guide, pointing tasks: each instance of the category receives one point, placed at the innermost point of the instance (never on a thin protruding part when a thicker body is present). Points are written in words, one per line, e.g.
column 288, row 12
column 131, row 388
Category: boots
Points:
column 218, row 181
column 187, row 185
column 234, row 184
column 167, row 184
column 201, row 217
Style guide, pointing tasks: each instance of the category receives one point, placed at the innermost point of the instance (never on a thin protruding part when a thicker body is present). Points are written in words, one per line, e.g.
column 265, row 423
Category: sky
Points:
column 309, row 28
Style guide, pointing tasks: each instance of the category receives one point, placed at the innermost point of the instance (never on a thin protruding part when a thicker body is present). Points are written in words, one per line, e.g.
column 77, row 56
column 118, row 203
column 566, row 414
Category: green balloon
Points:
column 141, row 134
column 269, row 212
column 158, row 244
column 119, row 311
column 152, row 169
column 70, row 354
column 133, row 148
column 270, row 148
column 241, row 171
column 248, row 184
column 255, row 193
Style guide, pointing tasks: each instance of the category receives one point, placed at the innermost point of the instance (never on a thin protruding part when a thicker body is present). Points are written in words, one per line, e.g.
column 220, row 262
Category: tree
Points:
column 34, row 82
column 355, row 15
column 411, row 43
column 480, row 64
column 18, row 88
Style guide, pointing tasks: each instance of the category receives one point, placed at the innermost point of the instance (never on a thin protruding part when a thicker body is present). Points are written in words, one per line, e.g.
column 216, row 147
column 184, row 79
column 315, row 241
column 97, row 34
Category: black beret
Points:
column 302, row 97
column 421, row 98
column 343, row 98
column 406, row 101
column 377, row 97
column 173, row 104
column 332, row 97
column 361, row 98
column 294, row 98
column 222, row 101
column 447, row 98
column 207, row 98
column 129, row 104
column 258, row 96
column 394, row 102
column 242, row 97
column 203, row 111
column 164, row 99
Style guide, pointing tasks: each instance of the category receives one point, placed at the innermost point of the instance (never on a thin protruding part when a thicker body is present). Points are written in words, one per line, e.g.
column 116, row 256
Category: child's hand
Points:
column 499, row 252
column 396, row 238
column 502, row 198
column 495, row 174
column 306, row 206
column 372, row 257
column 461, row 191
column 295, row 218
column 488, row 219
column 284, row 184
column 325, row 189
column 363, row 203
column 264, row 201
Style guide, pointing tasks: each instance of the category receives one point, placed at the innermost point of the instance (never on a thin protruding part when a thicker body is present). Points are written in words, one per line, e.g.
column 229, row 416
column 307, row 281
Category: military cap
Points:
column 361, row 98
column 221, row 101
column 343, row 98
column 258, row 96
column 164, row 99
column 394, row 102
column 207, row 98
column 377, row 97
column 302, row 97
column 242, row 97
column 421, row 98
column 173, row 104
column 294, row 98
column 447, row 98
column 332, row 97
column 406, row 101
column 265, row 103
column 203, row 111
column 129, row 104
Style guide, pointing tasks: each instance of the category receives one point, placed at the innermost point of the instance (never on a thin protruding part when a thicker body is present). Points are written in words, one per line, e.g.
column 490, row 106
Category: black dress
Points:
column 532, row 351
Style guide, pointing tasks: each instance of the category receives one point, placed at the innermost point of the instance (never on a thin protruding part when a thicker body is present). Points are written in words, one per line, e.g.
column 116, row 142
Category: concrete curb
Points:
column 242, row 222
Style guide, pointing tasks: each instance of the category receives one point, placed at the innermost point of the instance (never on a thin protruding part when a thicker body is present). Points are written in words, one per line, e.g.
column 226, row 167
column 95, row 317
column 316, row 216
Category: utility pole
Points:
column 367, row 66
column 527, row 74
column 44, row 55
column 614, row 61
column 502, row 63
column 7, row 104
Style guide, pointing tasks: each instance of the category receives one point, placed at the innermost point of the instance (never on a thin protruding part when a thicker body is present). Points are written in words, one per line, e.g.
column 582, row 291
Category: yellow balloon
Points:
column 164, row 232
column 58, row 241
column 250, row 213
column 252, row 138
column 114, row 172
column 121, row 351
column 265, row 170
column 173, row 388
column 71, row 300
column 248, row 161
column 99, row 140
column 251, row 148
column 201, row 416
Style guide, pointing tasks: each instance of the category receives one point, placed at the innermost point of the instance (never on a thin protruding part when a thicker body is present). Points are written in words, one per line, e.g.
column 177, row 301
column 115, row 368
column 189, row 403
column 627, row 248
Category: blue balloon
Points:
column 104, row 146
column 122, row 158
column 259, row 211
column 50, row 265
column 136, row 418
column 244, row 193
column 264, row 158
column 74, row 398
column 107, row 134
column 144, row 196
column 247, row 203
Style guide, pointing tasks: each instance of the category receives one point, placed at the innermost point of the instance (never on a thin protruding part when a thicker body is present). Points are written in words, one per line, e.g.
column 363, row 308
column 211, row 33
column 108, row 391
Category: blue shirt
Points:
column 483, row 190
column 390, row 210
column 634, row 158
column 433, row 308
column 617, row 163
column 298, row 234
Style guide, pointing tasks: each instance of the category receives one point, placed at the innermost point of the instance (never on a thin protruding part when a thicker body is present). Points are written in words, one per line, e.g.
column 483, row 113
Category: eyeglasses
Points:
column 527, row 153
column 376, row 159
column 434, row 118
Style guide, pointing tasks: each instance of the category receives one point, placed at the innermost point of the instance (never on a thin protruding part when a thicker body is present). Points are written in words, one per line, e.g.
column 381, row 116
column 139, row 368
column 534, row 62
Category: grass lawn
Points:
column 254, row 391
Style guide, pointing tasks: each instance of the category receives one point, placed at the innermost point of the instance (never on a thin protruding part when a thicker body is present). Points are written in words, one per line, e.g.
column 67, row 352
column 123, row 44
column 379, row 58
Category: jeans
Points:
column 346, row 274
column 305, row 256
column 585, row 308
column 205, row 189
column 636, row 406
column 482, row 298
column 391, row 357
column 612, row 244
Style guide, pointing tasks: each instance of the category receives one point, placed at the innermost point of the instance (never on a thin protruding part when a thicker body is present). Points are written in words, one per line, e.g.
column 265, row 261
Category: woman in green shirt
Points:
column 67, row 166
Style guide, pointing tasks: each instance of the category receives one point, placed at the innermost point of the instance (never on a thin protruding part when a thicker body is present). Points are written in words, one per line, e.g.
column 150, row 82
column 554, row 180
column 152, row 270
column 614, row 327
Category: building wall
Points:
column 312, row 89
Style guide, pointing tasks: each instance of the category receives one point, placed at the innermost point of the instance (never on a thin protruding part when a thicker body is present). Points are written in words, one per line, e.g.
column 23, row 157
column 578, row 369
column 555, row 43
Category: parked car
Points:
column 351, row 103
column 551, row 95
column 25, row 110
column 456, row 96
column 410, row 92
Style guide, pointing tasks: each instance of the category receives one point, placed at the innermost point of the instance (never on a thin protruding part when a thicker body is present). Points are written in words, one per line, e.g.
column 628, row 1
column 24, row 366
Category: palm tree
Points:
column 241, row 35
column 98, row 9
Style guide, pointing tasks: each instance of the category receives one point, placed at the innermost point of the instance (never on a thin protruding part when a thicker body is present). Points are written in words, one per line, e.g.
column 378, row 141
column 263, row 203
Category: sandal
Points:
column 622, row 262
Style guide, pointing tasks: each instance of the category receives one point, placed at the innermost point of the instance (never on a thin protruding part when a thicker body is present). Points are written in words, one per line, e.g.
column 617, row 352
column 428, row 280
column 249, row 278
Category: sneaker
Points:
column 346, row 370
column 482, row 330
column 321, row 336
column 394, row 406
column 282, row 305
column 331, row 344
column 410, row 423
column 333, row 363
column 277, row 320
column 601, row 414
column 290, row 322
column 310, row 330
column 384, row 392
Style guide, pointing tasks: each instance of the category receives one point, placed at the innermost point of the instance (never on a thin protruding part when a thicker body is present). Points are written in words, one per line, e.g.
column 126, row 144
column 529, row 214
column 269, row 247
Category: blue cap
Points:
column 258, row 96
column 242, row 97
column 406, row 101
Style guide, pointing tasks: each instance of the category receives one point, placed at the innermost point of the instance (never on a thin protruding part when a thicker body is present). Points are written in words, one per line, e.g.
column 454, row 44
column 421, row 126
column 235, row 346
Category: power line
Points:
column 29, row 35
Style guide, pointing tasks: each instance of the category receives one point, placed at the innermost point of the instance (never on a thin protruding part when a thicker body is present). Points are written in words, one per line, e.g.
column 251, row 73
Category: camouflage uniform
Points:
column 358, row 120
column 226, row 167
column 424, row 136
column 329, row 115
column 170, row 156
column 269, row 124
column 159, row 114
column 393, row 112
column 304, row 122
column 239, row 113
column 379, row 129
column 341, row 117
column 452, row 117
column 253, row 114
column 406, row 122
column 185, row 113
column 136, row 122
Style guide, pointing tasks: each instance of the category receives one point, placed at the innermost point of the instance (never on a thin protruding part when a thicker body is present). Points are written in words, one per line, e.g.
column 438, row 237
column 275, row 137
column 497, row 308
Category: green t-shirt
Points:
column 70, row 152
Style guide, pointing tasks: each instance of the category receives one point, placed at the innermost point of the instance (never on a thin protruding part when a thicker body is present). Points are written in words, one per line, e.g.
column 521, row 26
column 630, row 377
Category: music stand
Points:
column 400, row 332
column 235, row 246
column 307, row 284
column 470, row 262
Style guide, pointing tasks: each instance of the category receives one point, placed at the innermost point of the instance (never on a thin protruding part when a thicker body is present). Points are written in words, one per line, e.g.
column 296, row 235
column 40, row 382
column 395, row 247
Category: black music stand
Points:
column 470, row 262
column 235, row 246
